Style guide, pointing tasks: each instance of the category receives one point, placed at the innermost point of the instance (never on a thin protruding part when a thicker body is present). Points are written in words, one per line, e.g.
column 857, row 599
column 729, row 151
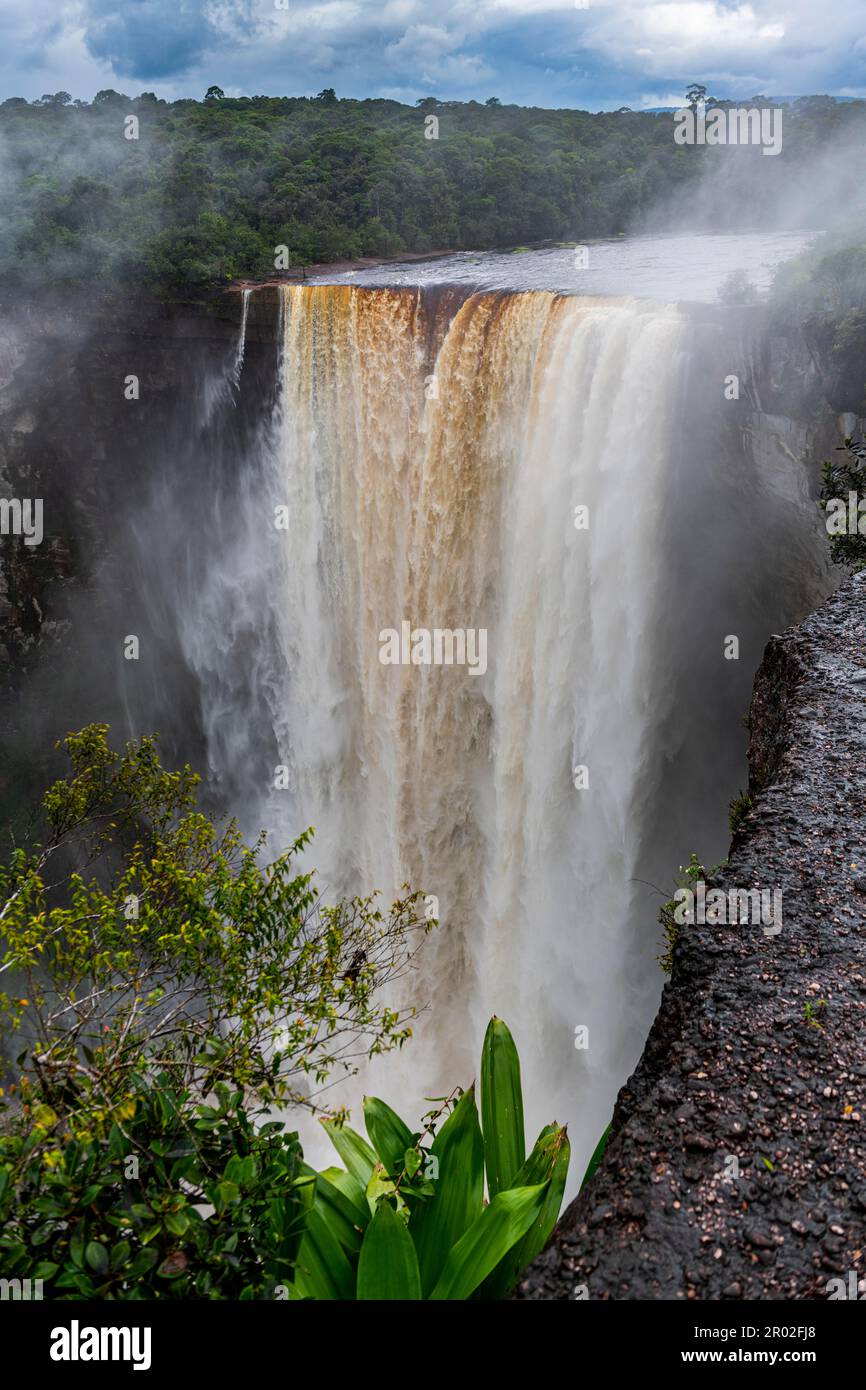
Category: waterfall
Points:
column 431, row 451
column 242, row 338
column 432, row 459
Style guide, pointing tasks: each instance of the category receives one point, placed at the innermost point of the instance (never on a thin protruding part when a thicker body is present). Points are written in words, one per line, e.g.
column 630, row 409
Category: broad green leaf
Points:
column 96, row 1256
column 388, row 1265
column 346, row 1217
column 349, row 1186
column 323, row 1270
column 500, row 1226
column 438, row 1222
column 501, row 1108
column 389, row 1136
column 547, row 1163
column 597, row 1156
column 340, row 1215
column 355, row 1152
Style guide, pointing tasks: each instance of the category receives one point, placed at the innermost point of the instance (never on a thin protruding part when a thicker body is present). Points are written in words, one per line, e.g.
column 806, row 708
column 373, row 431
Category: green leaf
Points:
column 96, row 1256
column 500, row 1226
column 323, row 1269
column 226, row 1193
column 144, row 1261
column 597, row 1156
column 458, row 1190
column 388, row 1265
column 355, row 1152
column 547, row 1163
column 389, row 1135
column 349, row 1186
column 346, row 1220
column 501, row 1108
column 76, row 1246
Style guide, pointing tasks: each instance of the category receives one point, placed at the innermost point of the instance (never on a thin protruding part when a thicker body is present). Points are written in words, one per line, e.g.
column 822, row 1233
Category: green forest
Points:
column 194, row 193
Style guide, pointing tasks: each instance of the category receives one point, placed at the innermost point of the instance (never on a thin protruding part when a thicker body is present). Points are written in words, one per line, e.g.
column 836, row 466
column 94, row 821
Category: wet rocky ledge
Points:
column 737, row 1163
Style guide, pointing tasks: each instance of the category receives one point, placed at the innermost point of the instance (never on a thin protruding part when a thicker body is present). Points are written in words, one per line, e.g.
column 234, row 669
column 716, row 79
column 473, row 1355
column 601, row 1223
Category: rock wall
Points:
column 108, row 470
column 737, row 1162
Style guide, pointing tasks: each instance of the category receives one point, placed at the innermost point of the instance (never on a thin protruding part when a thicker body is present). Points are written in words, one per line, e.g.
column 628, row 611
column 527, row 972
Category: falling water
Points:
column 242, row 337
column 431, row 449
column 433, row 453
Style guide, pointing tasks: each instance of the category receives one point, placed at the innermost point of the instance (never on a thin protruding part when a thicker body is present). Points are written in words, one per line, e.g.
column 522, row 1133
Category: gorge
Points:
column 336, row 458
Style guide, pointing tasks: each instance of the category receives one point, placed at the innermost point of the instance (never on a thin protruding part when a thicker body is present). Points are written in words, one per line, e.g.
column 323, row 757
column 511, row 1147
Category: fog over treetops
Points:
column 194, row 193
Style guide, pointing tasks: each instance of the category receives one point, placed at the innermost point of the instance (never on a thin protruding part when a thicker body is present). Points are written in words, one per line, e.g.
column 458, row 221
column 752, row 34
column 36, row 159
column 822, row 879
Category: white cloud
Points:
column 529, row 50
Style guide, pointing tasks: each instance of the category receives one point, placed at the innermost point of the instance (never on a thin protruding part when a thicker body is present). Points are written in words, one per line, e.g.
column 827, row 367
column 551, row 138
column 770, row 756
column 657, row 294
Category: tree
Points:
column 108, row 97
column 695, row 95
column 328, row 97
column 737, row 288
column 493, row 101
column 214, row 94
column 142, row 938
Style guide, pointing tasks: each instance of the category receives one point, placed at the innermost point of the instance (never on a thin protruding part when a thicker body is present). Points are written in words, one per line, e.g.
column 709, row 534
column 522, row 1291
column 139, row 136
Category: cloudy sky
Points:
column 593, row 54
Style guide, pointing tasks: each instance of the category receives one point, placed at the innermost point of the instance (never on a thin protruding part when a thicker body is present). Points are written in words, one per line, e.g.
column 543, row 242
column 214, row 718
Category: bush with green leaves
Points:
column 178, row 1200
column 838, row 480
column 138, row 934
column 406, row 1218
column 162, row 991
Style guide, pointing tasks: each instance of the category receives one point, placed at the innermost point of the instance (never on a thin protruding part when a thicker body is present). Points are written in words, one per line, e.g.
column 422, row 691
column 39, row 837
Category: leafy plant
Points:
column 139, row 934
column 811, row 1011
column 176, row 1200
column 406, row 1218
column 161, row 991
column 738, row 810
column 837, row 481
column 694, row 872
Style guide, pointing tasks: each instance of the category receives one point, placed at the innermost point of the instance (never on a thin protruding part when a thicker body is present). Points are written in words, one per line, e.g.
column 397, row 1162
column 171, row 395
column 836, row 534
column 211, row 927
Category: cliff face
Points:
column 737, row 1160
column 112, row 472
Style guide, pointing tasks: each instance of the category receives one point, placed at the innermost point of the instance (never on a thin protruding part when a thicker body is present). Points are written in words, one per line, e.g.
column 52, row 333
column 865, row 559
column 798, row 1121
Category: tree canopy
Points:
column 192, row 193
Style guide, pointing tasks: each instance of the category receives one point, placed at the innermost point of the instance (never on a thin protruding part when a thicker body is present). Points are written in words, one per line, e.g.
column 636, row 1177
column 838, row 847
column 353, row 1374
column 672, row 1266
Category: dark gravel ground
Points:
column 736, row 1066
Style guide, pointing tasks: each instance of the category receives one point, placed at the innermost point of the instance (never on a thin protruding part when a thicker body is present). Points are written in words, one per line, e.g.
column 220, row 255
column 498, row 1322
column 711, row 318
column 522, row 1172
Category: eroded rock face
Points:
column 756, row 1063
column 111, row 473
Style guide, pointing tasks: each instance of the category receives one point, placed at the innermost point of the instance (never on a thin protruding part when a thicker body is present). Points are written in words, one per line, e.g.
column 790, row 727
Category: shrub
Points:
column 162, row 989
column 170, row 1199
column 140, row 934
column 837, row 481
